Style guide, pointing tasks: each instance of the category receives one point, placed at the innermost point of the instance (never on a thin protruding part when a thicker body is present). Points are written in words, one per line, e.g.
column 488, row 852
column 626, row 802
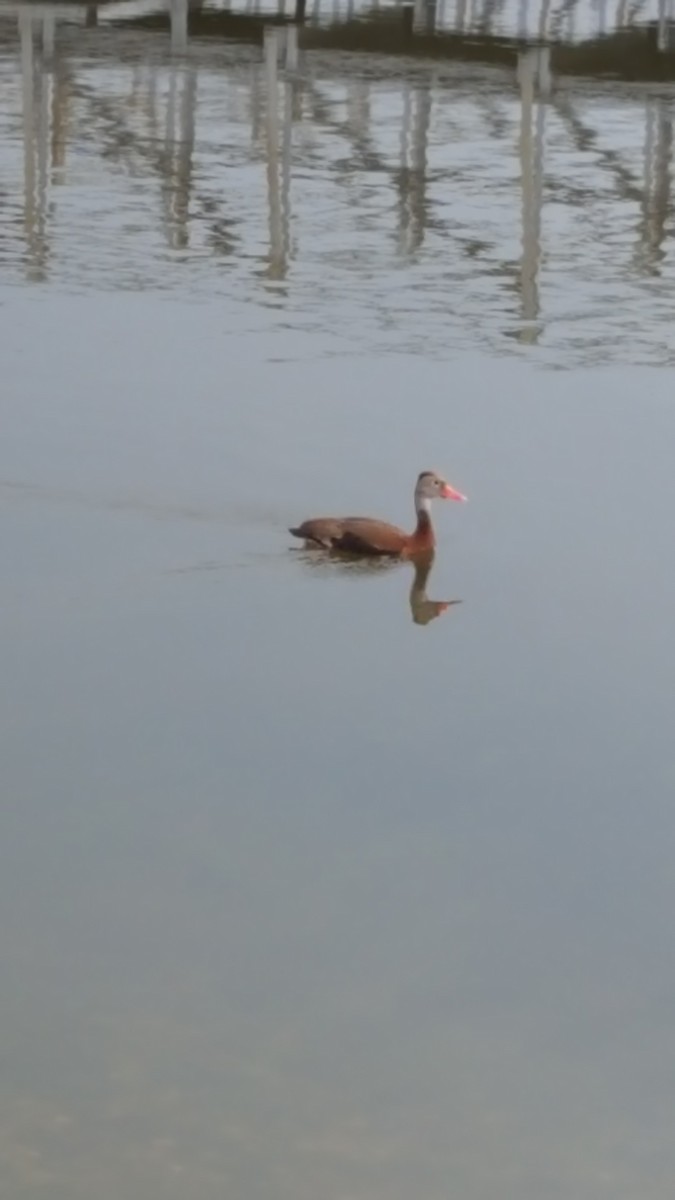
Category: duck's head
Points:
column 432, row 486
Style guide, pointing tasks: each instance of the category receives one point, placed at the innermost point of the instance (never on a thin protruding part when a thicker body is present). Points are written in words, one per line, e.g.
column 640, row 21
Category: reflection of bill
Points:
column 422, row 608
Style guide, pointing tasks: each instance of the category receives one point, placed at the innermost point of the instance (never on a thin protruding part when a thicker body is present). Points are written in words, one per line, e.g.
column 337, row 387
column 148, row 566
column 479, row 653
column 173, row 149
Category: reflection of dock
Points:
column 632, row 54
column 150, row 128
column 632, row 39
column 623, row 43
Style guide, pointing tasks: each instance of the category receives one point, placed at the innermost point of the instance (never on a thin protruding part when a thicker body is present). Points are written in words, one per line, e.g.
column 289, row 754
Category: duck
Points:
column 370, row 536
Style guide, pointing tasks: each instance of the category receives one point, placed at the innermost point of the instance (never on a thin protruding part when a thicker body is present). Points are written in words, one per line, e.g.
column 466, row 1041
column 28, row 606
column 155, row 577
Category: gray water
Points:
column 302, row 897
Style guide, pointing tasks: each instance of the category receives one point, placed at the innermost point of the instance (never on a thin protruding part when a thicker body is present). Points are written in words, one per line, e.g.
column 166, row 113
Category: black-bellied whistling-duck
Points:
column 366, row 535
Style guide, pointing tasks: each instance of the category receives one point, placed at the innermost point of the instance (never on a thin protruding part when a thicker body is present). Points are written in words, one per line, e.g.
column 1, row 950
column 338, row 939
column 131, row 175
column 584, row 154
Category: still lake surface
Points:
column 300, row 896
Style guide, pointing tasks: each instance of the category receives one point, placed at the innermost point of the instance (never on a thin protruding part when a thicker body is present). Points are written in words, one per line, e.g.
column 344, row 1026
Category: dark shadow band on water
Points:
column 636, row 52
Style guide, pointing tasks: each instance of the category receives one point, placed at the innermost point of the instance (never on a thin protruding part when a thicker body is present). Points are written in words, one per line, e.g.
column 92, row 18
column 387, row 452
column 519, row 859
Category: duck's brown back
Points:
column 357, row 535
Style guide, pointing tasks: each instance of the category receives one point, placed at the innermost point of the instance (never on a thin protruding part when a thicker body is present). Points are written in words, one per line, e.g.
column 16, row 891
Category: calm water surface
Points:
column 303, row 897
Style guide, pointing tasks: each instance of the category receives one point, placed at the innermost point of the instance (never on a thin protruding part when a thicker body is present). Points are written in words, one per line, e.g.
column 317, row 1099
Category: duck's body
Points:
column 367, row 535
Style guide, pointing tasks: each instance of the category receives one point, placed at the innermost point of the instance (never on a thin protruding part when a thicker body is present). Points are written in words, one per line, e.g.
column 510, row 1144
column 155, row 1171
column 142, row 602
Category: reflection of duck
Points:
column 424, row 610
column 368, row 536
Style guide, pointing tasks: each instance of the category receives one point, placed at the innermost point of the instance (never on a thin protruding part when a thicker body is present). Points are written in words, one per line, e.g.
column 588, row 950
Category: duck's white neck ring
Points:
column 423, row 506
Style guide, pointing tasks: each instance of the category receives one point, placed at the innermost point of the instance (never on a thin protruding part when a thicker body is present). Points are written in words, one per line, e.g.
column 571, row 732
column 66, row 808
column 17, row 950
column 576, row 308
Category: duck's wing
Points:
column 354, row 535
column 322, row 531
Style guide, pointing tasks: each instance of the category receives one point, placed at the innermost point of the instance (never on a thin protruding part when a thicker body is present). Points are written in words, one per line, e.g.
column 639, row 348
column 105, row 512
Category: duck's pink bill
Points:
column 449, row 493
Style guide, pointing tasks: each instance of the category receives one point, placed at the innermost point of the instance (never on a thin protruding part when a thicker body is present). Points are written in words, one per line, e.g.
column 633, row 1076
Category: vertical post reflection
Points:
column 533, row 72
column 662, row 35
column 287, row 145
column 46, row 86
column 277, row 257
column 291, row 48
column 412, row 175
column 179, row 25
column 48, row 37
column 602, row 18
column 657, row 185
column 660, row 196
column 35, row 160
column 26, row 35
column 358, row 112
column 184, row 154
column 522, row 18
column 179, row 140
column 543, row 19
column 571, row 11
column 60, row 114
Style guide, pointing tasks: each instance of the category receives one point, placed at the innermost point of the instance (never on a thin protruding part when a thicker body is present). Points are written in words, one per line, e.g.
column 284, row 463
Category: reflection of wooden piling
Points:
column 35, row 150
column 300, row 11
column 48, row 37
column 179, row 25
column 533, row 73
column 602, row 17
column 291, row 48
column 46, row 80
column 661, row 37
column 181, row 182
column 26, row 35
column 656, row 201
column 543, row 19
column 286, row 149
column 522, row 18
column 649, row 150
column 408, row 19
column 664, row 21
column 412, row 176
column 276, row 257
column 358, row 109
column 571, row 15
column 662, row 172
column 59, row 120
